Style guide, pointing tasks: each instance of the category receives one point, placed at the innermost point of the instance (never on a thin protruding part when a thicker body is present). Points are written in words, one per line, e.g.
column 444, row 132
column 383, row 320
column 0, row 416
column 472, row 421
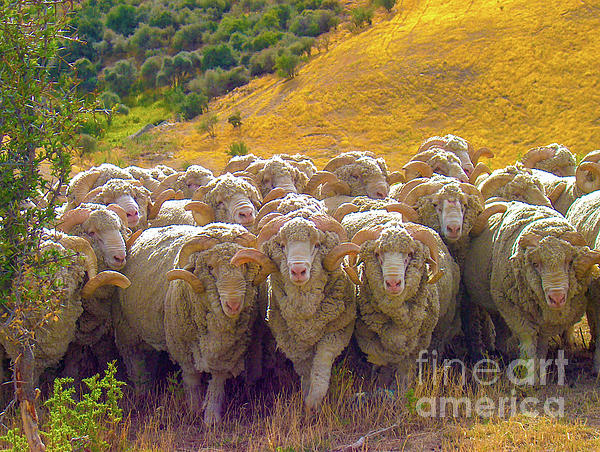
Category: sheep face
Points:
column 448, row 164
column 365, row 178
column 195, row 177
column 450, row 208
column 233, row 199
column 132, row 198
column 128, row 203
column 549, row 268
column 299, row 242
column 105, row 231
column 459, row 147
column 278, row 174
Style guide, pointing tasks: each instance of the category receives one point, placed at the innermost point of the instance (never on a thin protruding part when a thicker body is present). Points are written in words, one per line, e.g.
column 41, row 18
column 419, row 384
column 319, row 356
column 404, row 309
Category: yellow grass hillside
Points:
column 509, row 75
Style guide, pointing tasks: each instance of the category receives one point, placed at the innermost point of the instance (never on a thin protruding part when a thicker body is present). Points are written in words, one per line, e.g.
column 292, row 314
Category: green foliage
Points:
column 192, row 105
column 122, row 109
column 218, row 56
column 108, row 100
column 86, row 144
column 121, row 77
column 313, row 23
column 188, row 37
column 235, row 120
column 208, row 124
column 122, row 19
column 86, row 73
column 361, row 16
column 14, row 438
column 150, row 70
column 263, row 62
column 387, row 4
column 286, row 65
column 238, row 148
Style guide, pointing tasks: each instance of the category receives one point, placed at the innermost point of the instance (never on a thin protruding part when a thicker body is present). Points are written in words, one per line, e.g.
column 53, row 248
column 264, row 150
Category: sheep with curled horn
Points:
column 311, row 309
column 226, row 199
column 407, row 291
column 145, row 176
column 563, row 191
column 435, row 160
column 83, row 182
column 554, row 158
column 514, row 183
column 584, row 215
column 193, row 294
column 132, row 197
column 530, row 269
column 78, row 281
column 468, row 156
column 186, row 182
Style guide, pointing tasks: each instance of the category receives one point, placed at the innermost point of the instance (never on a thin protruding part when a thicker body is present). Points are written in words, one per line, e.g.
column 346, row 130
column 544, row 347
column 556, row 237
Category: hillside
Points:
column 509, row 75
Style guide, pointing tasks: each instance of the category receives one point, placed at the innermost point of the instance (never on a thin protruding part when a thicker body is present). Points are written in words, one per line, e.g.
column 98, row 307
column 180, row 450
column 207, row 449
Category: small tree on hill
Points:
column 235, row 120
column 286, row 65
column 208, row 124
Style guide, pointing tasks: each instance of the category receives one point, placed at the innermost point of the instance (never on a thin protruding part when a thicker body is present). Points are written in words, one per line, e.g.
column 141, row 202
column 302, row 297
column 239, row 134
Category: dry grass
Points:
column 509, row 75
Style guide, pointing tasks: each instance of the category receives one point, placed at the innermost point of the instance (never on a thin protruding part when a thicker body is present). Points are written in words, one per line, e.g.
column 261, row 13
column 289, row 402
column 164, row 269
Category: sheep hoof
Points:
column 212, row 416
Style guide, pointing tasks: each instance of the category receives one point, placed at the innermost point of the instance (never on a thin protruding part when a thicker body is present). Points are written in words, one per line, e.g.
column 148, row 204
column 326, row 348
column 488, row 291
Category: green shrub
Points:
column 286, row 65
column 86, row 144
column 108, row 100
column 361, row 16
column 238, row 148
column 122, row 109
column 192, row 105
column 208, row 124
column 387, row 4
column 235, row 120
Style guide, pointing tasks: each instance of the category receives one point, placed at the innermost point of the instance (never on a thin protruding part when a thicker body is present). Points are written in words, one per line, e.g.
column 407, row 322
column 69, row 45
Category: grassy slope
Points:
column 509, row 75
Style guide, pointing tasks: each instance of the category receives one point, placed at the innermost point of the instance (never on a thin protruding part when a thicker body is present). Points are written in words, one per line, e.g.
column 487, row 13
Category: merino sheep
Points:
column 514, row 183
column 460, row 147
column 530, row 270
column 187, row 182
column 78, row 281
column 203, row 317
column 227, row 199
column 403, row 308
column 311, row 304
column 554, row 158
column 85, row 181
column 584, row 215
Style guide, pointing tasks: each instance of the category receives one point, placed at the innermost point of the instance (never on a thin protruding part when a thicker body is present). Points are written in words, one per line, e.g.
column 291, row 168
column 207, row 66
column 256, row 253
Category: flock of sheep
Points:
column 210, row 268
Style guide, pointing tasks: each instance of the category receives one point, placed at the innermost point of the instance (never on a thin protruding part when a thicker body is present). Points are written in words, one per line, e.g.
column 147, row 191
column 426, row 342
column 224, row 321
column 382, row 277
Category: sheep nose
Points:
column 394, row 285
column 234, row 307
column 299, row 273
column 556, row 298
column 381, row 194
column 246, row 216
column 133, row 218
column 119, row 260
column 453, row 230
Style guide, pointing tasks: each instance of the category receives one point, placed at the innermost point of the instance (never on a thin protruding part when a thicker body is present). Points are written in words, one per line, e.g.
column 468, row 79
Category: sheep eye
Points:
column 210, row 268
column 220, row 204
column 410, row 255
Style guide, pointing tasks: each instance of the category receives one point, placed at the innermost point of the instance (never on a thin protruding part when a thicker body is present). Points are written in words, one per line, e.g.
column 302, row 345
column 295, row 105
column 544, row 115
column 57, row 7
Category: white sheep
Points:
column 554, row 158
column 530, row 270
column 203, row 316
column 514, row 183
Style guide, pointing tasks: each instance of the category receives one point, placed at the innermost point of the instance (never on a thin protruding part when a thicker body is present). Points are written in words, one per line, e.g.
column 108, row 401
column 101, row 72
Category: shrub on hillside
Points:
column 150, row 70
column 121, row 77
column 192, row 105
column 218, row 56
column 387, row 4
column 286, row 64
column 208, row 124
column 86, row 144
column 263, row 62
column 238, row 148
column 361, row 16
column 122, row 18
column 188, row 37
column 108, row 100
column 235, row 120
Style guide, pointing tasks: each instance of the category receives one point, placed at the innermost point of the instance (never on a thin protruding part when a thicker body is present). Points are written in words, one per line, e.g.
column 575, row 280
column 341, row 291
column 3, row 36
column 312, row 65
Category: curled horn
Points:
column 343, row 210
column 166, row 183
column 331, row 261
column 154, row 209
column 480, row 169
column 339, row 161
column 83, row 247
column 353, row 274
column 319, row 178
column 430, row 142
column 472, row 190
column 581, row 179
column 255, row 167
column 83, row 185
column 267, row 208
column 481, row 222
column 268, row 217
column 275, row 193
column 493, row 183
column 92, row 194
column 395, row 177
column 593, row 156
column 336, row 188
column 200, row 192
column 192, row 246
column 417, row 167
column 239, row 164
column 574, row 238
column 363, row 235
column 270, row 229
column 327, row 223
column 585, row 261
column 556, row 192
column 104, row 278
column 119, row 211
column 535, row 155
column 428, row 239
column 202, row 212
column 267, row 266
column 188, row 277
column 482, row 152
column 71, row 218
column 246, row 239
column 408, row 213
column 420, row 191
column 132, row 238
column 407, row 187
column 529, row 239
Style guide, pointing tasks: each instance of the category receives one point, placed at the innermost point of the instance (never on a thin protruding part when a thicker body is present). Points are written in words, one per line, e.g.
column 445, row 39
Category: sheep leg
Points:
column 192, row 382
column 528, row 354
column 214, row 398
column 320, row 375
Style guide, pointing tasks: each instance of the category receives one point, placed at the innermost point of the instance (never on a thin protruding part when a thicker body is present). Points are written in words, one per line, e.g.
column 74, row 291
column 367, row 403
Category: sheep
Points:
column 83, row 182
column 530, row 270
column 147, row 177
column 584, row 215
column 173, row 212
column 186, row 182
column 78, row 282
column 458, row 146
column 435, row 160
column 203, row 316
column 359, row 174
column 554, row 158
column 311, row 309
column 514, row 183
column 134, row 199
column 227, row 199
column 402, row 308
